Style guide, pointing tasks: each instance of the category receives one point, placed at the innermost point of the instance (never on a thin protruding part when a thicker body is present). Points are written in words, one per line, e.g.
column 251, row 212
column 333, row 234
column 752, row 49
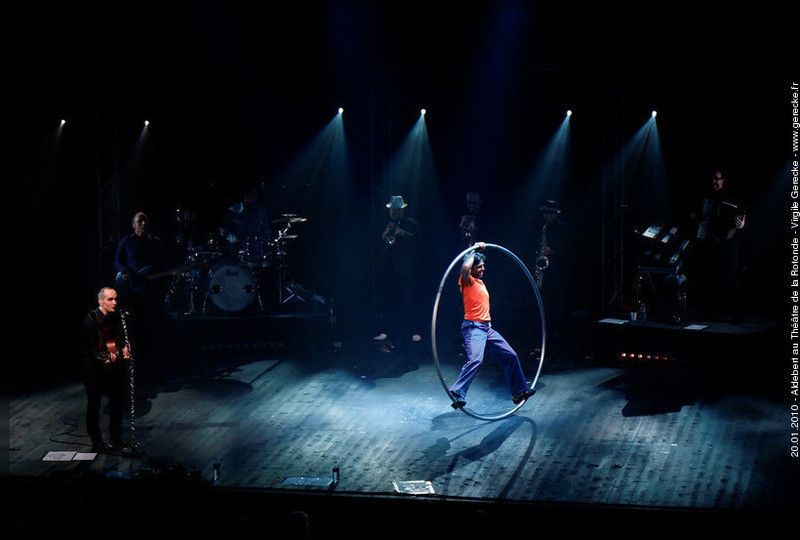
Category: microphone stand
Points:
column 131, row 377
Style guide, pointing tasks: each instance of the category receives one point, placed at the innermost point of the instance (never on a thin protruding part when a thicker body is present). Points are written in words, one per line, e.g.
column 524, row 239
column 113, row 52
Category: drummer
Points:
column 246, row 223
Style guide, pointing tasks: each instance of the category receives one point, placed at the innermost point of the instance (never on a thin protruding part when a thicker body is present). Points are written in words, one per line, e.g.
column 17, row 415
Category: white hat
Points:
column 396, row 202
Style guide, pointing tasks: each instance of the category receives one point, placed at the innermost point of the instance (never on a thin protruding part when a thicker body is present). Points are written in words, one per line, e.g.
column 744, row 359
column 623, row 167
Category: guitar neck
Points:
column 167, row 273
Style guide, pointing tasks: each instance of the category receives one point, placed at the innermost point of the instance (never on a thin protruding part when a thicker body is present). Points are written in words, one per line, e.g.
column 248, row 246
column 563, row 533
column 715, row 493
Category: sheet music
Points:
column 56, row 455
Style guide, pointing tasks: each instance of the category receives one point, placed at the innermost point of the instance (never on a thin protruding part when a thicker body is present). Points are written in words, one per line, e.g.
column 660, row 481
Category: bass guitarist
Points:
column 139, row 257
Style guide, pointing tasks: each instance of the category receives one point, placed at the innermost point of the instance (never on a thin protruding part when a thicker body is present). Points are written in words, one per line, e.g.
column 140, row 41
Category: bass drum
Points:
column 231, row 286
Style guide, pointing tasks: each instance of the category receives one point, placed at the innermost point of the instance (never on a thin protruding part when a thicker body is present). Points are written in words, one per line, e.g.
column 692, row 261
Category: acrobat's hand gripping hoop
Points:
column 457, row 261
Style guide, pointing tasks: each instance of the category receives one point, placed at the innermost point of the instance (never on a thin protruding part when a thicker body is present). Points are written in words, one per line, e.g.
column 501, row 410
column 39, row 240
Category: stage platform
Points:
column 603, row 444
column 250, row 331
column 701, row 341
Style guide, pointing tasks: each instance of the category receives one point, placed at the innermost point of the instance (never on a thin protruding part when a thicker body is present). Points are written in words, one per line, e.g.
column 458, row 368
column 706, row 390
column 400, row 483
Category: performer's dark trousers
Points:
column 719, row 283
column 111, row 382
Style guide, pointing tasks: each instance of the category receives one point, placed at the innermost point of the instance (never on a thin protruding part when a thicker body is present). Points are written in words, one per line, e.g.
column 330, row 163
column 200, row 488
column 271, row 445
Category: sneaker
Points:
column 522, row 396
column 117, row 445
column 458, row 401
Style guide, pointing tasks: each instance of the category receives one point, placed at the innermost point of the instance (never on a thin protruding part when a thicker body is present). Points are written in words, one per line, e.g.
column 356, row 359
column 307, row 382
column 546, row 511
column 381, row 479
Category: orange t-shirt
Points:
column 476, row 299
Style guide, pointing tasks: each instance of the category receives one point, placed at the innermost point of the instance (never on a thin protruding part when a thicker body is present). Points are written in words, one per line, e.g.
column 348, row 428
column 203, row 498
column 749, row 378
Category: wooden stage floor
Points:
column 601, row 442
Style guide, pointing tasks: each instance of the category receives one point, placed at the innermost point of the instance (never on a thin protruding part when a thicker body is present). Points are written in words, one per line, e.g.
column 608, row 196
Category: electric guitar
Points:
column 142, row 279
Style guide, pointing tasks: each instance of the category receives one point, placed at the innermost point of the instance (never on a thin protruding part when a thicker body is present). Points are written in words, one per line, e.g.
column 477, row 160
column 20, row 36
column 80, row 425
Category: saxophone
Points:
column 542, row 262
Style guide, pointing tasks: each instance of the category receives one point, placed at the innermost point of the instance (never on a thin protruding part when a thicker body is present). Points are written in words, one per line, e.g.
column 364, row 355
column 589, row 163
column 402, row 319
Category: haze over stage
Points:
column 174, row 108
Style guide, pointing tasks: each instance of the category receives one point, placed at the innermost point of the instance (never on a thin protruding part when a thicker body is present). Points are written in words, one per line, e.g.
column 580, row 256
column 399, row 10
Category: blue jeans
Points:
column 480, row 337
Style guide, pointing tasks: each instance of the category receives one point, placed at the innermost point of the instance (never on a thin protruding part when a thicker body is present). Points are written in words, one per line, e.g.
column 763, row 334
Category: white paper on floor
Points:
column 413, row 487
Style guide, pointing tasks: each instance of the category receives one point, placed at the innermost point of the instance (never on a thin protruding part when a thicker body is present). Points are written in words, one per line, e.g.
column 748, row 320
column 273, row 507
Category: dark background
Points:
column 236, row 92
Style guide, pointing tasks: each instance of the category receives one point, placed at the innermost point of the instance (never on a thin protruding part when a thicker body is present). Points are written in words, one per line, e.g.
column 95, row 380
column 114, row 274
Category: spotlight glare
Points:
column 569, row 112
column 63, row 122
column 653, row 114
column 422, row 112
column 146, row 123
column 341, row 110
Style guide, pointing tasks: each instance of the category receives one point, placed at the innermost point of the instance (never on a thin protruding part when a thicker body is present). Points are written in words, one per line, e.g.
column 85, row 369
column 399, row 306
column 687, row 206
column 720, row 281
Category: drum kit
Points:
column 226, row 277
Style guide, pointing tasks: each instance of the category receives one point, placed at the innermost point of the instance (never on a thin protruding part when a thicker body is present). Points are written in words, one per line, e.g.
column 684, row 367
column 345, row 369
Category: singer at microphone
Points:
column 102, row 372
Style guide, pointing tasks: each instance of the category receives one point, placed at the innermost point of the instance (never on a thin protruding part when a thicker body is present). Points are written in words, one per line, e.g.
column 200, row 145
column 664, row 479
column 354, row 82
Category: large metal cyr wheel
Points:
column 435, row 315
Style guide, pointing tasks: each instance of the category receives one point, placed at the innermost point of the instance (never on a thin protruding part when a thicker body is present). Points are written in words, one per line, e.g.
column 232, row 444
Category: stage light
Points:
column 341, row 110
column 146, row 123
column 644, row 356
column 569, row 112
column 63, row 122
column 653, row 114
column 422, row 112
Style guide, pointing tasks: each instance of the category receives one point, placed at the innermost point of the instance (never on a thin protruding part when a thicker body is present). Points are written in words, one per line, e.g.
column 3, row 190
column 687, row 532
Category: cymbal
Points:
column 289, row 218
column 283, row 237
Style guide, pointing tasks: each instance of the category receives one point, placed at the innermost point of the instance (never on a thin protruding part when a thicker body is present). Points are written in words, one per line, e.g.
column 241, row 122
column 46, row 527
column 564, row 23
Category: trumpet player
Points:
column 399, row 225
column 468, row 225
column 398, row 276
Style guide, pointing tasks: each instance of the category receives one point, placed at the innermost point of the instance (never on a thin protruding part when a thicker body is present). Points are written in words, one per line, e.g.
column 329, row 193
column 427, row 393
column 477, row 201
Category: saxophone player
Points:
column 551, row 220
column 551, row 266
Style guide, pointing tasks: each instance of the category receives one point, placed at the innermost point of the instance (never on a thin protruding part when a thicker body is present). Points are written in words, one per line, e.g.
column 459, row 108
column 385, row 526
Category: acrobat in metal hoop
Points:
column 459, row 258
